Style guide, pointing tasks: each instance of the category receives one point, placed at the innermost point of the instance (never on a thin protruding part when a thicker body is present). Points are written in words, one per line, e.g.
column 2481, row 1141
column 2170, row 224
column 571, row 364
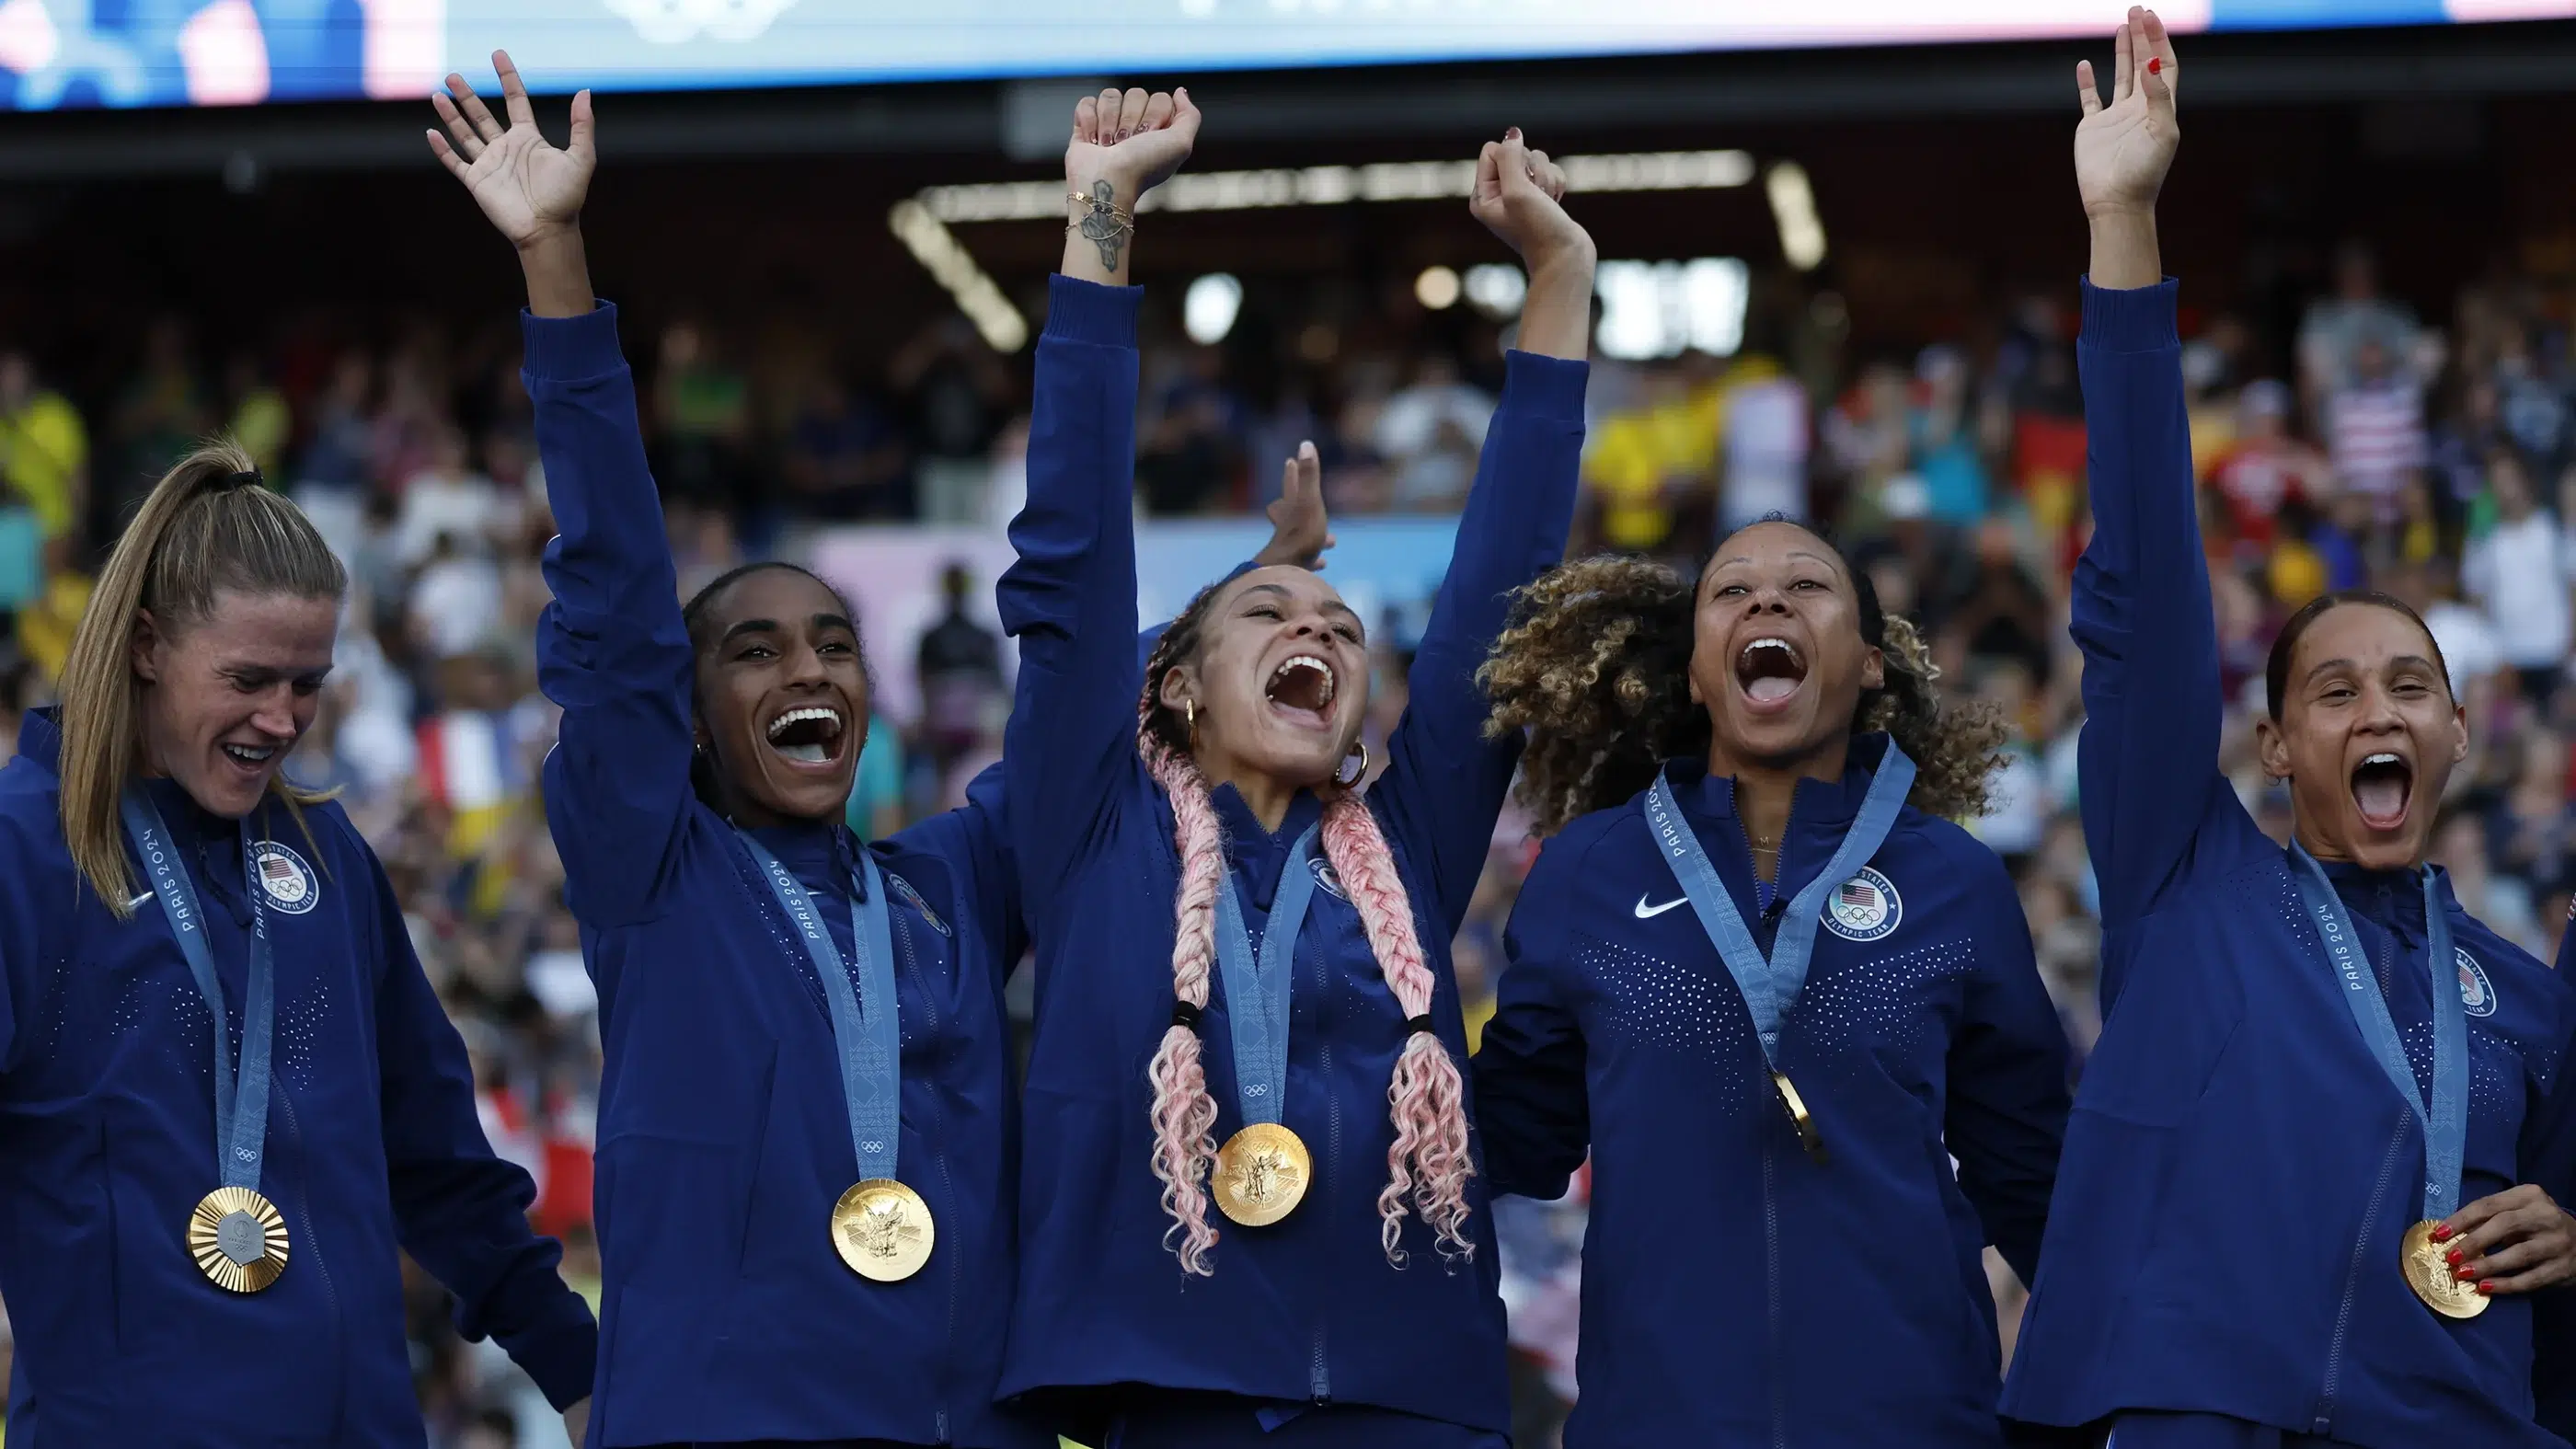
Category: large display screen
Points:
column 58, row 53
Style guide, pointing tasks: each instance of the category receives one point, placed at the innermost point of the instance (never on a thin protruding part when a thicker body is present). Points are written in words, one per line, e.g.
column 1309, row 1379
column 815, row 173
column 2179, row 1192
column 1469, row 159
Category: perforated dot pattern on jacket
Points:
column 1656, row 1003
column 1885, row 1003
column 299, row 1030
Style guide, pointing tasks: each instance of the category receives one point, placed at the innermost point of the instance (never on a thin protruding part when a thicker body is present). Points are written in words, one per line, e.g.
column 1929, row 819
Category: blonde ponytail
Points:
column 200, row 532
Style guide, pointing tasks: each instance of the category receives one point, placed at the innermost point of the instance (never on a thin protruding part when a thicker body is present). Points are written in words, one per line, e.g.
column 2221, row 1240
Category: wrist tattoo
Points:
column 1104, row 225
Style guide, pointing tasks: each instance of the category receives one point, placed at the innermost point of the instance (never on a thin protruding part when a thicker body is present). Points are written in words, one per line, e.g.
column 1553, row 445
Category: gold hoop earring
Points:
column 1190, row 713
column 1355, row 776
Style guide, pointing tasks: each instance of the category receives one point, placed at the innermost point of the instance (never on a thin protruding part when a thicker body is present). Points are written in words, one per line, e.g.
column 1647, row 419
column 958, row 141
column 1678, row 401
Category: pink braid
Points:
column 1184, row 1113
column 1426, row 1099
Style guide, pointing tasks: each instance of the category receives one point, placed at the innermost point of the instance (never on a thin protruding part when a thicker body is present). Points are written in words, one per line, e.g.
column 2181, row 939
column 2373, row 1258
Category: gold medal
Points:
column 1796, row 1107
column 1261, row 1174
column 882, row 1229
column 2428, row 1271
column 238, row 1239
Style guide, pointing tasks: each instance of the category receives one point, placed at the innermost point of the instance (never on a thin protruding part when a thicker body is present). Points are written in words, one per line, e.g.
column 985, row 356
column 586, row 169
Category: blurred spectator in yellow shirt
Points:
column 44, row 451
column 1648, row 465
column 259, row 419
column 2296, row 572
column 45, row 624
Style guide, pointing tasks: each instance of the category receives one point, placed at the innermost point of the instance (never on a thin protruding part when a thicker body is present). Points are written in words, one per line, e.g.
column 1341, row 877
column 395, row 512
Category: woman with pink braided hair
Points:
column 1250, row 1211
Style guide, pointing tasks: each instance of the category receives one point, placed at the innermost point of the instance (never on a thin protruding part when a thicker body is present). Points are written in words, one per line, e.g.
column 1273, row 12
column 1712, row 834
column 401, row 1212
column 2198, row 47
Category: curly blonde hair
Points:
column 1595, row 665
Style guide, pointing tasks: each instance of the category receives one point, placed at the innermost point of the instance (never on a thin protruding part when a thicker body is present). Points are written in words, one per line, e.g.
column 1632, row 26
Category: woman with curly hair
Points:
column 1761, row 976
column 1244, row 997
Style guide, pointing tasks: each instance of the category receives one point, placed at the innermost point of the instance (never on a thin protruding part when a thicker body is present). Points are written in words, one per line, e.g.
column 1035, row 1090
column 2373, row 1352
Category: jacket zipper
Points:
column 2352, row 1280
column 2360, row 1252
column 1761, row 905
column 939, row 1162
column 1319, row 1382
column 1768, row 905
column 312, row 1242
column 305, row 1238
column 1771, row 1293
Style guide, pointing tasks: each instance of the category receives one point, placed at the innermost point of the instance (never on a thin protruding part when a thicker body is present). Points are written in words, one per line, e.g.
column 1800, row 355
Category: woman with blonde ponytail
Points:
column 229, row 1097
column 1764, row 981
column 1250, row 1206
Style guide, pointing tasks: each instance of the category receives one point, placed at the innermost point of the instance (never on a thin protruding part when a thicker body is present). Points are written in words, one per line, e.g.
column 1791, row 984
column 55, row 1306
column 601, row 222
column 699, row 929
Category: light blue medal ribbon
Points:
column 1770, row 985
column 2446, row 1117
column 236, row 1235
column 863, row 1031
column 1263, row 1170
column 1256, row 992
column 880, row 1227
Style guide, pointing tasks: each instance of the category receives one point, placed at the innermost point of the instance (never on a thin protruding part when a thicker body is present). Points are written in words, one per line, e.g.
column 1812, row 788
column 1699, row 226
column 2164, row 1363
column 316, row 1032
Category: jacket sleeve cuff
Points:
column 562, row 1354
column 569, row 349
column 1548, row 387
column 1079, row 311
column 2139, row 320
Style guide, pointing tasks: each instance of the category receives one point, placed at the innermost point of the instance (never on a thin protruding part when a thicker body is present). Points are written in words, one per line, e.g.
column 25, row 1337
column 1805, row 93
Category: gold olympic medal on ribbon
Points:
column 238, row 1239
column 2427, row 1267
column 1796, row 1107
column 1261, row 1174
column 882, row 1229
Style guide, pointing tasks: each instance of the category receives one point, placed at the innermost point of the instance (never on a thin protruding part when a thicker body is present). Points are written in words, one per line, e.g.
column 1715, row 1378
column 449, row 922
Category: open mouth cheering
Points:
column 810, row 735
column 1302, row 690
column 1769, row 671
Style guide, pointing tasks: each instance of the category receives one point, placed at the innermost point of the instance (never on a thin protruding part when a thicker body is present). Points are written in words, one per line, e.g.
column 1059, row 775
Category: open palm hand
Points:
column 2124, row 149
column 528, row 187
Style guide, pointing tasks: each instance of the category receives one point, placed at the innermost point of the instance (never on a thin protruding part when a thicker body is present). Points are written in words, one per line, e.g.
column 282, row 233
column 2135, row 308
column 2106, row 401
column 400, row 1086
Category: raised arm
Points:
column 2007, row 1077
column 2142, row 613
column 1533, row 1104
column 1070, row 597
column 611, row 649
column 1445, row 781
column 461, row 1211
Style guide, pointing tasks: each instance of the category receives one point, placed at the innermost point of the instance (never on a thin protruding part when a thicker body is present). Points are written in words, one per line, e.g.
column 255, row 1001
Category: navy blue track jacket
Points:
column 1309, row 1310
column 107, row 1126
column 2238, row 1169
column 1736, row 1292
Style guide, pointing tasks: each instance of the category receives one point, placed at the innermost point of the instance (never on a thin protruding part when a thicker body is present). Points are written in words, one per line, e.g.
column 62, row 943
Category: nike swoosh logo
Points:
column 1647, row 913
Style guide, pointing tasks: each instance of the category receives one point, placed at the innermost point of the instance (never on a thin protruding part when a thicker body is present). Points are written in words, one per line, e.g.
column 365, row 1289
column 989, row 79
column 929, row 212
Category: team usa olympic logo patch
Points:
column 1864, row 908
column 1327, row 877
column 2477, row 993
column 291, row 885
column 912, row 898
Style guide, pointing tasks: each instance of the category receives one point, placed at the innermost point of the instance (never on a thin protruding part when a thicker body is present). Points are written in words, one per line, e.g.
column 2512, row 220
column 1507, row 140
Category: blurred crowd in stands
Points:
column 2433, row 456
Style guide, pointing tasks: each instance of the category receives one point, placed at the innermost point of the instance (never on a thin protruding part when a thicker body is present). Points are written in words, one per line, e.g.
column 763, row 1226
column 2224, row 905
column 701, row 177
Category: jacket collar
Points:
column 821, row 855
column 1813, row 804
column 40, row 738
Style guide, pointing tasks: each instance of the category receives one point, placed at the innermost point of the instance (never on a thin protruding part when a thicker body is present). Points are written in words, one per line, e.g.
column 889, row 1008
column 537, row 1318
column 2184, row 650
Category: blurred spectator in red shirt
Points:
column 2267, row 468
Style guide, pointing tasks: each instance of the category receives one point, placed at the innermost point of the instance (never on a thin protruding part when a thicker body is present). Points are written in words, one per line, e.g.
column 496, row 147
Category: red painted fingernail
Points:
column 2155, row 65
column 2441, row 1234
column 2486, row 1290
column 2454, row 1257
